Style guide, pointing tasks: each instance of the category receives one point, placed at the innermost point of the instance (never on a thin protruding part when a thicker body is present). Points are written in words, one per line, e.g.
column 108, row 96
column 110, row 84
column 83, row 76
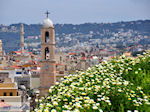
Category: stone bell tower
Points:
column 48, row 66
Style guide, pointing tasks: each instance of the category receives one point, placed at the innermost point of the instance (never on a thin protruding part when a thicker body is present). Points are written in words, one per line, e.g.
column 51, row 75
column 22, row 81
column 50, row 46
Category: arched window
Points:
column 47, row 37
column 10, row 94
column 47, row 56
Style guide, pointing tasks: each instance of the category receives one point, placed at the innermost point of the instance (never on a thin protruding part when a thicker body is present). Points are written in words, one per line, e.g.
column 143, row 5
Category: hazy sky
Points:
column 73, row 11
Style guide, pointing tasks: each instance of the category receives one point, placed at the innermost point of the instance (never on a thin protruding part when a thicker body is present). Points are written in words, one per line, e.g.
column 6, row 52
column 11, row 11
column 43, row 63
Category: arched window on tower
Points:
column 47, row 38
column 47, row 56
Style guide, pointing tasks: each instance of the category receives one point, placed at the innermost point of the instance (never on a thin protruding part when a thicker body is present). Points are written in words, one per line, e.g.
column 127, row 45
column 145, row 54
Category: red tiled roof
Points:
column 59, row 64
column 72, row 53
column 15, row 66
column 19, row 52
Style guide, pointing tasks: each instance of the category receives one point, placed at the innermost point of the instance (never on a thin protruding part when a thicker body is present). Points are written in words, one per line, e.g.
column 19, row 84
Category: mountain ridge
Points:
column 10, row 34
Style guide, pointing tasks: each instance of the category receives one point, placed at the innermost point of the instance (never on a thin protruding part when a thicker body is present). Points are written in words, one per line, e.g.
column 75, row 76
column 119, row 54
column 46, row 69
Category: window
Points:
column 47, row 37
column 5, row 94
column 18, row 72
column 2, row 100
column 11, row 94
column 47, row 53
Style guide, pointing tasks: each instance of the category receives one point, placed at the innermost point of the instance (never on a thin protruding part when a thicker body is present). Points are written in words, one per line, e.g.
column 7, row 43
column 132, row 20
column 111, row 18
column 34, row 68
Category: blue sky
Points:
column 73, row 11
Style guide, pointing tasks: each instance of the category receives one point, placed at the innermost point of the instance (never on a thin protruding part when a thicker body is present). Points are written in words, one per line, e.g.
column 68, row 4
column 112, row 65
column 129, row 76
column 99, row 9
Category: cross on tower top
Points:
column 47, row 13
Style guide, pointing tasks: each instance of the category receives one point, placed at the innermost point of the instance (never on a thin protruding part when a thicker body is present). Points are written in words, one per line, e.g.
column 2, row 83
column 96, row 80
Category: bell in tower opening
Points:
column 47, row 56
column 47, row 37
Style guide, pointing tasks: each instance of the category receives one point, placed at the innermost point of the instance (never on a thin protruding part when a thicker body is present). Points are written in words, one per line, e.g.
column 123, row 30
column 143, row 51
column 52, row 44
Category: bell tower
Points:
column 48, row 68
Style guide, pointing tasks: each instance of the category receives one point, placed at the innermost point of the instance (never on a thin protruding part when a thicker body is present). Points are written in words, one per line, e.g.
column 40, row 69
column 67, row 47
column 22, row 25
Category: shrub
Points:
column 118, row 85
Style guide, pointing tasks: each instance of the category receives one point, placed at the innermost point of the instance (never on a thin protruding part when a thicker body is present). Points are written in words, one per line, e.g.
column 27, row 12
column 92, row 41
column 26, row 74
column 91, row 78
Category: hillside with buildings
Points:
column 103, row 35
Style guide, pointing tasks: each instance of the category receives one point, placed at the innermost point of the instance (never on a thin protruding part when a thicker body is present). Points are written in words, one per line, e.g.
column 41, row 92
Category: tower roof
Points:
column 47, row 23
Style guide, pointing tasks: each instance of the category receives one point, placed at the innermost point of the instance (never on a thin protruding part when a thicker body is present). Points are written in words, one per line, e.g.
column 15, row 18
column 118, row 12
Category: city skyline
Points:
column 73, row 11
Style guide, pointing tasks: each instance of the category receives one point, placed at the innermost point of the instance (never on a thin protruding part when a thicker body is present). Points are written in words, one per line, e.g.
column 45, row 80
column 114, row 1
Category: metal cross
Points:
column 47, row 13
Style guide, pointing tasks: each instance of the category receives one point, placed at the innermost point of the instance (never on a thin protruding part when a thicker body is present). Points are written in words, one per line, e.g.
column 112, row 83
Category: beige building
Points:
column 34, row 79
column 9, row 92
column 8, row 88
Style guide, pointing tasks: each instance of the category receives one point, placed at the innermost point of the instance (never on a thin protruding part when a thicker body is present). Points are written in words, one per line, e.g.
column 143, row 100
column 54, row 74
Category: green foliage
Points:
column 118, row 85
column 135, row 70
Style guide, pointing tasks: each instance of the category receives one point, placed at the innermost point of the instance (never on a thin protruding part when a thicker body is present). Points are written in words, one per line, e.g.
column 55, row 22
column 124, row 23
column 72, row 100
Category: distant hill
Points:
column 10, row 34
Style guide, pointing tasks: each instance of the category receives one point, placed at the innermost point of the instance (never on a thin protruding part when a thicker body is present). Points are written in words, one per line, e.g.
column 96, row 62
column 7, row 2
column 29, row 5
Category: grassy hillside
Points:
column 118, row 85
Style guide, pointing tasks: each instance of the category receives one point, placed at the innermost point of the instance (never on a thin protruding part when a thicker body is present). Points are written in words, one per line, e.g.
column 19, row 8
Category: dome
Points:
column 47, row 23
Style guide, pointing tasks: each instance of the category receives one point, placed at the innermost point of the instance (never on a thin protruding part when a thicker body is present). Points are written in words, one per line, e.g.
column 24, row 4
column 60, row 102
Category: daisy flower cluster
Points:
column 107, row 87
